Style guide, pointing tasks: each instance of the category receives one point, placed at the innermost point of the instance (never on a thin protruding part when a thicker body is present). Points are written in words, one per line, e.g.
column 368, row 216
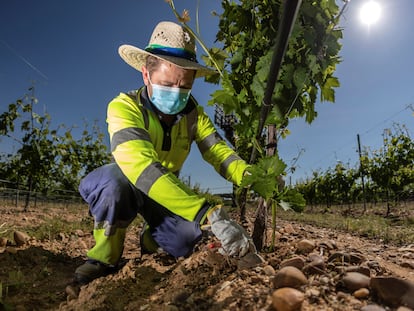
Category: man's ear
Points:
column 145, row 74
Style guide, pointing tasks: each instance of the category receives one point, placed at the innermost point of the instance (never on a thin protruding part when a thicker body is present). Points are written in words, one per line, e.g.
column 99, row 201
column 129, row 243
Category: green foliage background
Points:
column 247, row 31
column 388, row 175
column 46, row 159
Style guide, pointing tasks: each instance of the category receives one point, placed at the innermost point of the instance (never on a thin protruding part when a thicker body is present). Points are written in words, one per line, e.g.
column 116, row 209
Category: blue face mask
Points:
column 169, row 100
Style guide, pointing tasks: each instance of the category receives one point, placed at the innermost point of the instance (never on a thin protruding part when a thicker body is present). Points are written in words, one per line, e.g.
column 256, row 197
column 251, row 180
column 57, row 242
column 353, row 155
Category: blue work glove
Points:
column 235, row 241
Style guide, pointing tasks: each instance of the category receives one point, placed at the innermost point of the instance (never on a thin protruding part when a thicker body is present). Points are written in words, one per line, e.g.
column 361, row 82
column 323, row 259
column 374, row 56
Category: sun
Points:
column 370, row 12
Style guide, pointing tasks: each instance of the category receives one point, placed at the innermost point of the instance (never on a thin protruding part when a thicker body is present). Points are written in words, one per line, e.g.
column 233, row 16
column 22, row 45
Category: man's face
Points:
column 170, row 75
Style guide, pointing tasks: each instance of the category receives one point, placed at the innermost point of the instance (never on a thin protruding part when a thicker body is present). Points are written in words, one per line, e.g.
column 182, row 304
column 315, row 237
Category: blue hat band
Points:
column 166, row 51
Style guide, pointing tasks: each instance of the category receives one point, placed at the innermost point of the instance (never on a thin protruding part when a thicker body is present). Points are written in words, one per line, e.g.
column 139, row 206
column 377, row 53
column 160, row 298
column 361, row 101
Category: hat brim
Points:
column 136, row 58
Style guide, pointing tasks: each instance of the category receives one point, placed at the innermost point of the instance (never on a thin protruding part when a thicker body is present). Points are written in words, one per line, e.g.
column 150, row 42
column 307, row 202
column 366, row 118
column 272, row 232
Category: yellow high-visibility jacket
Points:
column 151, row 154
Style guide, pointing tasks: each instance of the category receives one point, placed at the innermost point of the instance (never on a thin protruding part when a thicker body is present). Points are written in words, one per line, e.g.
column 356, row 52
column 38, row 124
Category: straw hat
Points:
column 170, row 42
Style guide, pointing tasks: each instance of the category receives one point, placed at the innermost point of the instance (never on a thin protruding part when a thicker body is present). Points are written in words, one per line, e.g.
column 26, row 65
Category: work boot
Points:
column 92, row 269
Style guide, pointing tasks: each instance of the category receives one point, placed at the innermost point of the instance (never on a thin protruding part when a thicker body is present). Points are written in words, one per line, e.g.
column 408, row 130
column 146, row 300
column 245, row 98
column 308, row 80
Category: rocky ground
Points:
column 309, row 269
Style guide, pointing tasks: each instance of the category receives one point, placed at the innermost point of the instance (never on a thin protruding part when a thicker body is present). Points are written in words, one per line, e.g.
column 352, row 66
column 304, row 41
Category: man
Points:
column 151, row 130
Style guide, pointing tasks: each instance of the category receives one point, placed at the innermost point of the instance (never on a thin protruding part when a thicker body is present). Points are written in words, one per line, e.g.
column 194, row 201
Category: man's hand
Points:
column 234, row 239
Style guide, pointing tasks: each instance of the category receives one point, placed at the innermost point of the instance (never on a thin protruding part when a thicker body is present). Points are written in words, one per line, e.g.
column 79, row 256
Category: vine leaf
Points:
column 263, row 177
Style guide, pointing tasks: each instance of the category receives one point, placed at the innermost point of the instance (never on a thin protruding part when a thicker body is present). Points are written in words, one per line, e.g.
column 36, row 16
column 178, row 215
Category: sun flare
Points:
column 370, row 12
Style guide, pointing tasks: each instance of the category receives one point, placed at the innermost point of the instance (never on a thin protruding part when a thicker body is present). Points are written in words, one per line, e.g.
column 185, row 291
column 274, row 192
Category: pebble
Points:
column 394, row 291
column 374, row 265
column 341, row 258
column 82, row 244
column 289, row 277
column 287, row 299
column 11, row 250
column 79, row 233
column 324, row 280
column 288, row 229
column 20, row 238
column 360, row 269
column 256, row 279
column 355, row 303
column 297, row 262
column 330, row 245
column 355, row 280
column 305, row 246
column 313, row 292
column 72, row 292
column 361, row 293
column 249, row 261
column 269, row 270
column 3, row 242
column 316, row 266
column 341, row 295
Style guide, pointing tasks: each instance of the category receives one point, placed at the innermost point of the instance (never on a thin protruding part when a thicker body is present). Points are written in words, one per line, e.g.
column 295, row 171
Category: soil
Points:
column 34, row 275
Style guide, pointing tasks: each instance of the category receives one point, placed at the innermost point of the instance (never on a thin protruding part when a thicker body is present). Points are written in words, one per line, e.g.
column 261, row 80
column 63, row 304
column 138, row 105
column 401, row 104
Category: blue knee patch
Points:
column 110, row 196
column 177, row 236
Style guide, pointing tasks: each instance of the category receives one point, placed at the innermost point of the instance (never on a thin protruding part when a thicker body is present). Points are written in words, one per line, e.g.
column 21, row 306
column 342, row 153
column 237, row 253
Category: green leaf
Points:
column 327, row 92
column 332, row 82
column 295, row 199
column 287, row 75
column 299, row 77
column 237, row 58
column 313, row 65
column 263, row 176
column 224, row 99
column 284, row 205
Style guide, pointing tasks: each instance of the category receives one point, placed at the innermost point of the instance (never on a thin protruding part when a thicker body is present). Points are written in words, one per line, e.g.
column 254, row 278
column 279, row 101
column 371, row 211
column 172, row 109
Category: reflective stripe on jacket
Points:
column 151, row 154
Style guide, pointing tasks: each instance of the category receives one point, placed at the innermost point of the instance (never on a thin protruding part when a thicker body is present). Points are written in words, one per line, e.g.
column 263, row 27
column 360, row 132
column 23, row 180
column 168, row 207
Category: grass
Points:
column 51, row 229
column 46, row 220
column 53, row 220
column 15, row 280
column 397, row 230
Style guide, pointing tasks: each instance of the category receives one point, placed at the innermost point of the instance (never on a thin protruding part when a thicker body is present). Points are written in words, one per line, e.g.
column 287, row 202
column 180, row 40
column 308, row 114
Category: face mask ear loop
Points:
column 149, row 78
column 150, row 82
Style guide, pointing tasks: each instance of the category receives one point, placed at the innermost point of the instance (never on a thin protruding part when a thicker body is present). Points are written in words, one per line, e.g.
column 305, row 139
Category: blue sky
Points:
column 69, row 50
